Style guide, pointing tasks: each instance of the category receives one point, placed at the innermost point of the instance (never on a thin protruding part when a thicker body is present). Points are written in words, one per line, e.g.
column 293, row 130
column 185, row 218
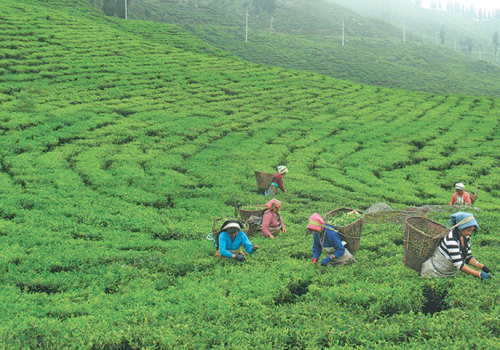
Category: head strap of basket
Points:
column 316, row 222
column 282, row 169
column 273, row 203
column 459, row 186
column 462, row 220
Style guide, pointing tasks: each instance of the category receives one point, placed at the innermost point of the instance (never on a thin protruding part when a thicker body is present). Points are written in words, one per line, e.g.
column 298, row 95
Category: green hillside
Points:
column 121, row 142
column 307, row 35
column 427, row 24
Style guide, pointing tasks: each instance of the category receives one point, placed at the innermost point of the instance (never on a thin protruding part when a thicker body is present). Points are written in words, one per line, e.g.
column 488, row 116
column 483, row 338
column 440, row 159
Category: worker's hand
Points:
column 255, row 247
column 239, row 257
column 315, row 260
column 325, row 261
column 486, row 269
column 485, row 276
column 284, row 230
column 271, row 236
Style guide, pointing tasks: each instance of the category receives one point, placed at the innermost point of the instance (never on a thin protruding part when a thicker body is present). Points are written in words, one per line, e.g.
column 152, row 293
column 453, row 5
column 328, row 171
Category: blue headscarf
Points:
column 459, row 216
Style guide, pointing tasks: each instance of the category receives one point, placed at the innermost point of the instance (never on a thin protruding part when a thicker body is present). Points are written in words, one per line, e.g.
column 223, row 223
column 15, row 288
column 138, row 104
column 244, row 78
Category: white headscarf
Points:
column 282, row 169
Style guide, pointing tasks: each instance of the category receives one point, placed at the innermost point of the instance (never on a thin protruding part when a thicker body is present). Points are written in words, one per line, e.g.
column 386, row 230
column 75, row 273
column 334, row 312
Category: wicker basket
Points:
column 245, row 213
column 351, row 233
column 263, row 180
column 473, row 198
column 422, row 236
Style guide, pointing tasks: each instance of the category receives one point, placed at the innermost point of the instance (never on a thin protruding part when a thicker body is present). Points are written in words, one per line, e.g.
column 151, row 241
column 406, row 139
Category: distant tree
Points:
column 470, row 45
column 441, row 36
column 495, row 42
column 472, row 11
column 260, row 6
column 270, row 6
column 114, row 7
column 109, row 7
column 480, row 14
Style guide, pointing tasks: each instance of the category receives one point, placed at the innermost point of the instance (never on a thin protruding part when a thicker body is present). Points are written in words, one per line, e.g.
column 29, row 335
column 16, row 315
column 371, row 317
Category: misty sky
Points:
column 478, row 4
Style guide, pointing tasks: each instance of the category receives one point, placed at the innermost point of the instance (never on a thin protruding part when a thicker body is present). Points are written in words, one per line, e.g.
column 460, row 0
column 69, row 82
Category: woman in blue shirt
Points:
column 326, row 239
column 231, row 241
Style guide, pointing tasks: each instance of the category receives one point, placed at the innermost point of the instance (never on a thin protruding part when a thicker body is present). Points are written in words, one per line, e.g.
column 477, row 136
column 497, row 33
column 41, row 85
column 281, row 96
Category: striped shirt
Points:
column 452, row 249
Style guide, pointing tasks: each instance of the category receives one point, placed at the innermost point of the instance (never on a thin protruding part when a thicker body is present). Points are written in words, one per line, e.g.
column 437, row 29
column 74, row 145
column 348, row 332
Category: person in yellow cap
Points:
column 326, row 239
column 277, row 181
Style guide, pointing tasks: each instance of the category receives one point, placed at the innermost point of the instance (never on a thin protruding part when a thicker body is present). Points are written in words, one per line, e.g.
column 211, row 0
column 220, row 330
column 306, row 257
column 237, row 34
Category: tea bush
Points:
column 122, row 146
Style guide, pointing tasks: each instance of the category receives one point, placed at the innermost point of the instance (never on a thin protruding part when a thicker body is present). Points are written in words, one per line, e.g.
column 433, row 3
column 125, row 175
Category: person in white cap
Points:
column 454, row 252
column 460, row 197
column 277, row 181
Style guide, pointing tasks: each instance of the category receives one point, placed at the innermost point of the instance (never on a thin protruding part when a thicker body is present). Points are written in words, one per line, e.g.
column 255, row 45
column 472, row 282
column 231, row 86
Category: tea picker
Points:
column 454, row 252
column 326, row 239
column 277, row 181
column 460, row 197
column 231, row 241
column 272, row 222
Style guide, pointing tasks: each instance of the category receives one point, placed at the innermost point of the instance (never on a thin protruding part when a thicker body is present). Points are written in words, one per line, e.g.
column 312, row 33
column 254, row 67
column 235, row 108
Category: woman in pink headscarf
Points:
column 326, row 239
column 272, row 223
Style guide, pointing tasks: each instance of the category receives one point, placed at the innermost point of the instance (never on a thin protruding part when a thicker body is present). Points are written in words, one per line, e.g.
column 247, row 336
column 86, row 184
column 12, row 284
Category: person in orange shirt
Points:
column 460, row 197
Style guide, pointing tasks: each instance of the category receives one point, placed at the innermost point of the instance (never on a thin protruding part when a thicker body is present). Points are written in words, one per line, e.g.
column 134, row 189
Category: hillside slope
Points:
column 308, row 36
column 122, row 141
column 427, row 24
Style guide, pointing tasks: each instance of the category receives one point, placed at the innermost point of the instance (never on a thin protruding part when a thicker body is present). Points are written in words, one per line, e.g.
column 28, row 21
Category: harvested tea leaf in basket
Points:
column 345, row 218
column 253, row 208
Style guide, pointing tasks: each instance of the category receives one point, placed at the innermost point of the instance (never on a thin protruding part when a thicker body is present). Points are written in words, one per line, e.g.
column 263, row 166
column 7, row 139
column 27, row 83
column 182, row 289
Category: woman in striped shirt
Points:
column 454, row 252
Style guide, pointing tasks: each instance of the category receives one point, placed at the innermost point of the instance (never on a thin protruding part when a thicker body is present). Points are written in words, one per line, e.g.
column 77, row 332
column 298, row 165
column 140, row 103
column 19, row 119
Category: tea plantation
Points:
column 118, row 149
column 307, row 35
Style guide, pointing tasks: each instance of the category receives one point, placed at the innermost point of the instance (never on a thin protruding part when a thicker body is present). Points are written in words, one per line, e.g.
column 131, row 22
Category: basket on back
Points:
column 247, row 211
column 473, row 197
column 263, row 180
column 422, row 236
column 350, row 233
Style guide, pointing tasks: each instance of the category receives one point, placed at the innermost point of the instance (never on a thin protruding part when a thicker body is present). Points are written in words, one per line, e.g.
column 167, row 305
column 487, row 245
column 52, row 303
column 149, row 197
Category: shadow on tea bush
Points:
column 434, row 299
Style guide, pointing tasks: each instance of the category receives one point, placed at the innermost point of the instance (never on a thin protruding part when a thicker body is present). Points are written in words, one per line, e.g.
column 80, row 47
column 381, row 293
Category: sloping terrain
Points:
column 121, row 142
column 432, row 27
column 307, row 35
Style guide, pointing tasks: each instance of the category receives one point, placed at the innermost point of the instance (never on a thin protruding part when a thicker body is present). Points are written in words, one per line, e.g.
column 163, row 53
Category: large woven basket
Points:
column 350, row 233
column 263, row 179
column 247, row 211
column 422, row 236
column 473, row 198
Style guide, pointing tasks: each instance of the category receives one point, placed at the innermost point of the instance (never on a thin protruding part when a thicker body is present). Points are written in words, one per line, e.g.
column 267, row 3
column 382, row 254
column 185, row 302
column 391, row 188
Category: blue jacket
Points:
column 331, row 239
column 226, row 243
